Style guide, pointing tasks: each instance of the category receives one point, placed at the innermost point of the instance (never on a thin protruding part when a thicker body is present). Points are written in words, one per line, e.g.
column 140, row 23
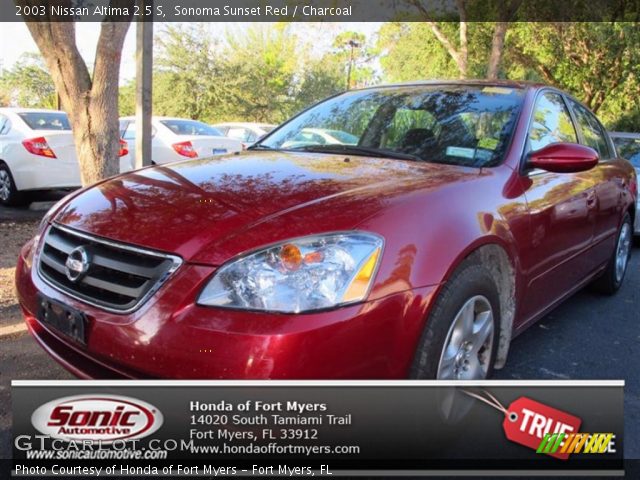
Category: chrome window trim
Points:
column 176, row 260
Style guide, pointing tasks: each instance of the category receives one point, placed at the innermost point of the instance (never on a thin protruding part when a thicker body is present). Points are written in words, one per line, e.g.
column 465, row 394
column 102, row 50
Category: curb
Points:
column 13, row 329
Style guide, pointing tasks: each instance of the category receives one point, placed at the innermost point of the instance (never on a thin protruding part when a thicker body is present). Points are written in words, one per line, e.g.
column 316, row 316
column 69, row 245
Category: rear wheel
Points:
column 9, row 194
column 460, row 339
column 612, row 278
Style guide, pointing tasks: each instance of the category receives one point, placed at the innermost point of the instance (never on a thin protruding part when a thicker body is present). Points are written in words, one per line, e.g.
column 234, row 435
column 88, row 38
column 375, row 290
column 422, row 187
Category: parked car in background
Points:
column 175, row 139
column 247, row 133
column 465, row 212
column 37, row 152
column 628, row 146
column 320, row 136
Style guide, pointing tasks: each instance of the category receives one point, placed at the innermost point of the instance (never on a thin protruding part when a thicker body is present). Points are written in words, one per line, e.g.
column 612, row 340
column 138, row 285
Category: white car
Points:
column 320, row 136
column 247, row 133
column 628, row 146
column 174, row 139
column 37, row 152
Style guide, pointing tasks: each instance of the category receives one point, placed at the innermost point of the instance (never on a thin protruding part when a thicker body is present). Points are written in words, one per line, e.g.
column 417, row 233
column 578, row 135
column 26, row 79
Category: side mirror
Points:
column 564, row 158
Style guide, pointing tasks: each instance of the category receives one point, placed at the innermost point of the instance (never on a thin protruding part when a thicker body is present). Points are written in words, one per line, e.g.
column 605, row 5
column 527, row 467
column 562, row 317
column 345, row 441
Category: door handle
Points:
column 591, row 199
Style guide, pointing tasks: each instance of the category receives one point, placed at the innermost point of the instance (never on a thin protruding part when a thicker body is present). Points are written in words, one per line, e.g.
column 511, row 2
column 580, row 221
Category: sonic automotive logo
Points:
column 104, row 418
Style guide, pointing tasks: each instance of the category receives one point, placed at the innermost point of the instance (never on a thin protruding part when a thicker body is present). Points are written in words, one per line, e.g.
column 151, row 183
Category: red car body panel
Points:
column 558, row 231
column 172, row 337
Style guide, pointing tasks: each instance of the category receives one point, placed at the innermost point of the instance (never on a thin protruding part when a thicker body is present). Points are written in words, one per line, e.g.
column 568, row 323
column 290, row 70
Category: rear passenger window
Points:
column 592, row 133
column 251, row 136
column 46, row 120
column 130, row 132
column 238, row 133
column 4, row 125
column 551, row 123
column 122, row 127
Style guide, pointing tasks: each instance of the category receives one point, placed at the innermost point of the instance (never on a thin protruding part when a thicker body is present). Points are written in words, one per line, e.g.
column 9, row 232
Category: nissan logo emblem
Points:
column 77, row 264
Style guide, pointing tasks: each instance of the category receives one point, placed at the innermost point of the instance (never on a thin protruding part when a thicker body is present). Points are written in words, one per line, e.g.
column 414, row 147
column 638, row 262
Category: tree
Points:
column 262, row 66
column 458, row 50
column 321, row 79
column 127, row 99
column 409, row 51
column 599, row 62
column 28, row 83
column 90, row 100
column 188, row 72
column 251, row 75
column 352, row 50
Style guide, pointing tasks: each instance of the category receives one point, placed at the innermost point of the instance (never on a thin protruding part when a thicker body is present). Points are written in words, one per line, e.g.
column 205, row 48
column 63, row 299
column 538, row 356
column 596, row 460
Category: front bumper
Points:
column 172, row 337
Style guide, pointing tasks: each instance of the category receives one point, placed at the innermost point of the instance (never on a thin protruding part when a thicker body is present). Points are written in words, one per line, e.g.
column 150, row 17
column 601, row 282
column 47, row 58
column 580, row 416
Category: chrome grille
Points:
column 119, row 277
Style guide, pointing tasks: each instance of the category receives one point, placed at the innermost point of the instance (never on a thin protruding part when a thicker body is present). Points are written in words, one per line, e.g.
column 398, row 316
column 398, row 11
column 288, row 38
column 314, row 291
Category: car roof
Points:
column 471, row 82
column 243, row 124
column 132, row 117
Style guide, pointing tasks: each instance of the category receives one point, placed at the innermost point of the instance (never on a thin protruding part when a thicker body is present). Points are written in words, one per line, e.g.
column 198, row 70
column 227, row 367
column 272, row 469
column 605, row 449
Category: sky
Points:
column 15, row 39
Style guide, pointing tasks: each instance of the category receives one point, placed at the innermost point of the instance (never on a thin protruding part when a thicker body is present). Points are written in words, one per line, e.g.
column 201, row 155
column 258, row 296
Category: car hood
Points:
column 209, row 209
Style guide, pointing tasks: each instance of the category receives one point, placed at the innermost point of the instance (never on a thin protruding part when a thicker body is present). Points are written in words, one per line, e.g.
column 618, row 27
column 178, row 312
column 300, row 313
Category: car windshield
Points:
column 46, row 120
column 190, row 127
column 461, row 125
column 628, row 148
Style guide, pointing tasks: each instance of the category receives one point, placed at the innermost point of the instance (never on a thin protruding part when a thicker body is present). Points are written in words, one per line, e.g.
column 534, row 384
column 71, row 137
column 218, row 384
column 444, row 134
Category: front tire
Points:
column 9, row 194
column 612, row 278
column 460, row 340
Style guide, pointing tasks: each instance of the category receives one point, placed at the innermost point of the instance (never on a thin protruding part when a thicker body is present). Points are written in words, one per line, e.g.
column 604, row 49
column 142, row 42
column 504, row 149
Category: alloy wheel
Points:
column 468, row 346
column 622, row 251
column 5, row 185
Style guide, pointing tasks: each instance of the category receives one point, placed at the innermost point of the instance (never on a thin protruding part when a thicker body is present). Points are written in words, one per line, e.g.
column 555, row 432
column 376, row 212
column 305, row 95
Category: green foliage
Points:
column 28, row 84
column 353, row 54
column 127, row 99
column 185, row 65
column 410, row 51
column 260, row 72
column 599, row 63
column 267, row 73
column 263, row 74
column 320, row 79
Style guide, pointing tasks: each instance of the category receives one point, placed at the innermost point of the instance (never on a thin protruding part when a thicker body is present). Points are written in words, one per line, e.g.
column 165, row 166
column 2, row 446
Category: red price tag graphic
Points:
column 527, row 421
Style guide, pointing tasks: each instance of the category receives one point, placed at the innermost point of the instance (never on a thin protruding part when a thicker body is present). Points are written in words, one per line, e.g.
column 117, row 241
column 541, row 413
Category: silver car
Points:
column 628, row 146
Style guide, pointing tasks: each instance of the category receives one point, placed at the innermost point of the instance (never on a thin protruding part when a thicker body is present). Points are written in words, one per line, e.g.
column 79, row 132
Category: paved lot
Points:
column 589, row 337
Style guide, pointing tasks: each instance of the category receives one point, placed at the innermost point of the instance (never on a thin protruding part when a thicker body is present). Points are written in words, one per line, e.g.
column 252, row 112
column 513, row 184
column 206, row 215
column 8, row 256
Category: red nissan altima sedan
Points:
column 440, row 221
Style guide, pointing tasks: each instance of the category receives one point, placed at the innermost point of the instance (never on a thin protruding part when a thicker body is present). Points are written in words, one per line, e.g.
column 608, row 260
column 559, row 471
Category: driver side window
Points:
column 551, row 123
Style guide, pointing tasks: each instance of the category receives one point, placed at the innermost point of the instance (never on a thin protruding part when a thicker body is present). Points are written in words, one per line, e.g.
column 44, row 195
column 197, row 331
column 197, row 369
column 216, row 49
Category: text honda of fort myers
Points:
column 464, row 212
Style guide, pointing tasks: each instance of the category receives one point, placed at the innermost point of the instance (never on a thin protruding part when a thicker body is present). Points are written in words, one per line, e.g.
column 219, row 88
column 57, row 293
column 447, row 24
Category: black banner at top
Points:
column 320, row 10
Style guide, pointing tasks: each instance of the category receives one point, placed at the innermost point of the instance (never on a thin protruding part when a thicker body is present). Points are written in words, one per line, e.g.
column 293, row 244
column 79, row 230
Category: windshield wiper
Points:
column 257, row 146
column 357, row 150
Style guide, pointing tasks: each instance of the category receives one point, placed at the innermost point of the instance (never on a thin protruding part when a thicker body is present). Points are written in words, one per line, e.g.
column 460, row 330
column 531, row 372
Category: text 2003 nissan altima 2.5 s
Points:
column 464, row 213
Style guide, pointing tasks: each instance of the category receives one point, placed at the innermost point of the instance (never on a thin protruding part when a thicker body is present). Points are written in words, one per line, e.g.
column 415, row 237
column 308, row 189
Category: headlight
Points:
column 300, row 275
